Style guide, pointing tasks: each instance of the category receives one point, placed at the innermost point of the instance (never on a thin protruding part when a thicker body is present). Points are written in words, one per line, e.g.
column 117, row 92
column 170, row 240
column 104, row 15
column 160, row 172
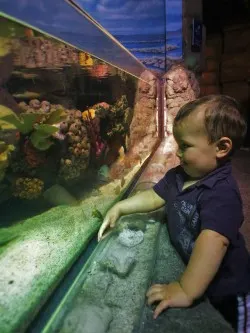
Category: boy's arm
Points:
column 145, row 201
column 208, row 253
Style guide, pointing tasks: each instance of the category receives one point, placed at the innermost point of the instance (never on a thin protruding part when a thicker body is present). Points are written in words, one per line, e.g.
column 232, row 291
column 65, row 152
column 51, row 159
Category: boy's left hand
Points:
column 169, row 295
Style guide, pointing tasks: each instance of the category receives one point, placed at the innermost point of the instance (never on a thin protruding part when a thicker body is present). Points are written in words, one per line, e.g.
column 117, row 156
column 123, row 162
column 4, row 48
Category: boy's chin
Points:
column 193, row 174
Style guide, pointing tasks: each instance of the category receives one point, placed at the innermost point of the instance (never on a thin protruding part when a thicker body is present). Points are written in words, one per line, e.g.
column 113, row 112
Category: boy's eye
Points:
column 184, row 146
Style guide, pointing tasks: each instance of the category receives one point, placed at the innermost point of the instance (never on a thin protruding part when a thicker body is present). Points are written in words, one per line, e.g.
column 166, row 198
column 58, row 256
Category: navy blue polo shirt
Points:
column 213, row 203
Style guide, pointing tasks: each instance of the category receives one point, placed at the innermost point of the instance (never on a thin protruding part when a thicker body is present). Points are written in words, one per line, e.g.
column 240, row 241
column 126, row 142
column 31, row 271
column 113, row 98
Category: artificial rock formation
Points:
column 119, row 260
column 143, row 128
column 181, row 88
column 130, row 238
column 91, row 318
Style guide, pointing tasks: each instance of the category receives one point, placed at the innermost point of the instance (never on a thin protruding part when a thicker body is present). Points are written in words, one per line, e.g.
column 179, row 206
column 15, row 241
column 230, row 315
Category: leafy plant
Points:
column 55, row 116
column 38, row 124
column 9, row 120
column 96, row 213
column 40, row 136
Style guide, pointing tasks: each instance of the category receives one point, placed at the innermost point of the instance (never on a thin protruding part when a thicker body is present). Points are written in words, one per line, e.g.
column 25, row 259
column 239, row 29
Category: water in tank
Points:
column 74, row 132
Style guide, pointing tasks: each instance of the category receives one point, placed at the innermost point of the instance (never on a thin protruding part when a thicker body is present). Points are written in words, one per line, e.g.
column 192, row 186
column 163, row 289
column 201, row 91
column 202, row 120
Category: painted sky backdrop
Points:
column 150, row 29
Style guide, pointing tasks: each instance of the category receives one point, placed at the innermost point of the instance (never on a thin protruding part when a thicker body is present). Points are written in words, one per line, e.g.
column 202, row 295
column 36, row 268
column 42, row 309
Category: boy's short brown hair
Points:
column 223, row 116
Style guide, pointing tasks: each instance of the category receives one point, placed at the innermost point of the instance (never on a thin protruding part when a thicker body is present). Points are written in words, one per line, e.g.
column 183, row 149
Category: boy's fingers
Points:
column 105, row 235
column 102, row 229
column 160, row 307
column 157, row 296
column 112, row 223
column 153, row 289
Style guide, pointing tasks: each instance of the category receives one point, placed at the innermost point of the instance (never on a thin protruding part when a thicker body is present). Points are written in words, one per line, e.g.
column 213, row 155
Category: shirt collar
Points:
column 209, row 181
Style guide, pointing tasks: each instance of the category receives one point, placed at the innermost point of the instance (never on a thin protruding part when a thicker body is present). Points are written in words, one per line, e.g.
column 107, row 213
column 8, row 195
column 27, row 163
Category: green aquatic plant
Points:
column 38, row 125
column 116, row 129
column 55, row 116
column 96, row 213
column 9, row 120
column 40, row 137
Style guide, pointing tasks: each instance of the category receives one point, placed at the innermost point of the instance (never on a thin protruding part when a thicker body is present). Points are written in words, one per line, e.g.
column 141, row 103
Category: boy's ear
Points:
column 223, row 147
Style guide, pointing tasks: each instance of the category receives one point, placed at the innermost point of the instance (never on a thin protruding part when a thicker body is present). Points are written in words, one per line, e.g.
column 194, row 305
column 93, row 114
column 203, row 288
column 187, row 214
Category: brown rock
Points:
column 141, row 141
column 181, row 87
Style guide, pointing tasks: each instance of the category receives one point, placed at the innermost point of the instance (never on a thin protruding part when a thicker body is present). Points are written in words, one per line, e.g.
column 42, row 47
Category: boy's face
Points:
column 198, row 157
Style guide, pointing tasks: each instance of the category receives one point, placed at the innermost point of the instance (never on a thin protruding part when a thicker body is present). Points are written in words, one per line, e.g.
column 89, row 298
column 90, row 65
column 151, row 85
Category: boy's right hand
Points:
column 109, row 221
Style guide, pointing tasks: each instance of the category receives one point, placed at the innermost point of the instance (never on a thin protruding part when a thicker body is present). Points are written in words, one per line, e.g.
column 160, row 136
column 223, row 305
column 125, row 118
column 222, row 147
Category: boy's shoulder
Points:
column 221, row 176
column 174, row 171
column 221, row 190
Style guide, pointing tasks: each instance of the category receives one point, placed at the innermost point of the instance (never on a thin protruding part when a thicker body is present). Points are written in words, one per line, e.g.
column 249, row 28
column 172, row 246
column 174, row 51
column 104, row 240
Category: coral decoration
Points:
column 93, row 128
column 76, row 160
column 5, row 47
column 32, row 156
column 102, row 109
column 29, row 32
column 90, row 113
column 85, row 59
column 34, row 52
column 100, row 71
column 28, row 188
column 118, row 117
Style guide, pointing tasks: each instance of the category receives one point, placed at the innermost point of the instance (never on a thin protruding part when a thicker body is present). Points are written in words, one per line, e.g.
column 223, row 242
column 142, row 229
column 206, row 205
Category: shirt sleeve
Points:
column 161, row 188
column 221, row 211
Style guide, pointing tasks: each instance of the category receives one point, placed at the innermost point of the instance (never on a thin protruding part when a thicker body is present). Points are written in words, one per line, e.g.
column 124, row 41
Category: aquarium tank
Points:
column 75, row 131
column 83, row 124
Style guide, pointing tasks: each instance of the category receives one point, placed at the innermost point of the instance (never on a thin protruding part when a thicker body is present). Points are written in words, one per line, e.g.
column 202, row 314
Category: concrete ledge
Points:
column 118, row 303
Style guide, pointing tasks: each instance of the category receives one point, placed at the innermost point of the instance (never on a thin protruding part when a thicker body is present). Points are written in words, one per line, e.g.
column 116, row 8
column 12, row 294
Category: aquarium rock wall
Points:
column 181, row 87
column 138, row 141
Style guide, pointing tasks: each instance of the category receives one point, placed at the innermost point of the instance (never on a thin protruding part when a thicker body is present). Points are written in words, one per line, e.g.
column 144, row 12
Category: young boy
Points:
column 204, row 212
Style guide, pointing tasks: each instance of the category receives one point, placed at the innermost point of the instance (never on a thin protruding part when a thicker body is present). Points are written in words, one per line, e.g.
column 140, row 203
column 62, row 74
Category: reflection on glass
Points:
column 74, row 131
column 65, row 117
column 59, row 19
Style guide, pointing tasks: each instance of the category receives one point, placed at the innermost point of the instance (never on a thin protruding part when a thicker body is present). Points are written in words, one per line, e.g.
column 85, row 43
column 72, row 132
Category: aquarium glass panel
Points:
column 74, row 132
column 65, row 22
column 140, row 25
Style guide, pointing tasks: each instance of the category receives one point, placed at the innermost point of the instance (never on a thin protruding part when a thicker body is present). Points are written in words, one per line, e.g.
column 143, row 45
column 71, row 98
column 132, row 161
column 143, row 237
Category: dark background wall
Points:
column 217, row 14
